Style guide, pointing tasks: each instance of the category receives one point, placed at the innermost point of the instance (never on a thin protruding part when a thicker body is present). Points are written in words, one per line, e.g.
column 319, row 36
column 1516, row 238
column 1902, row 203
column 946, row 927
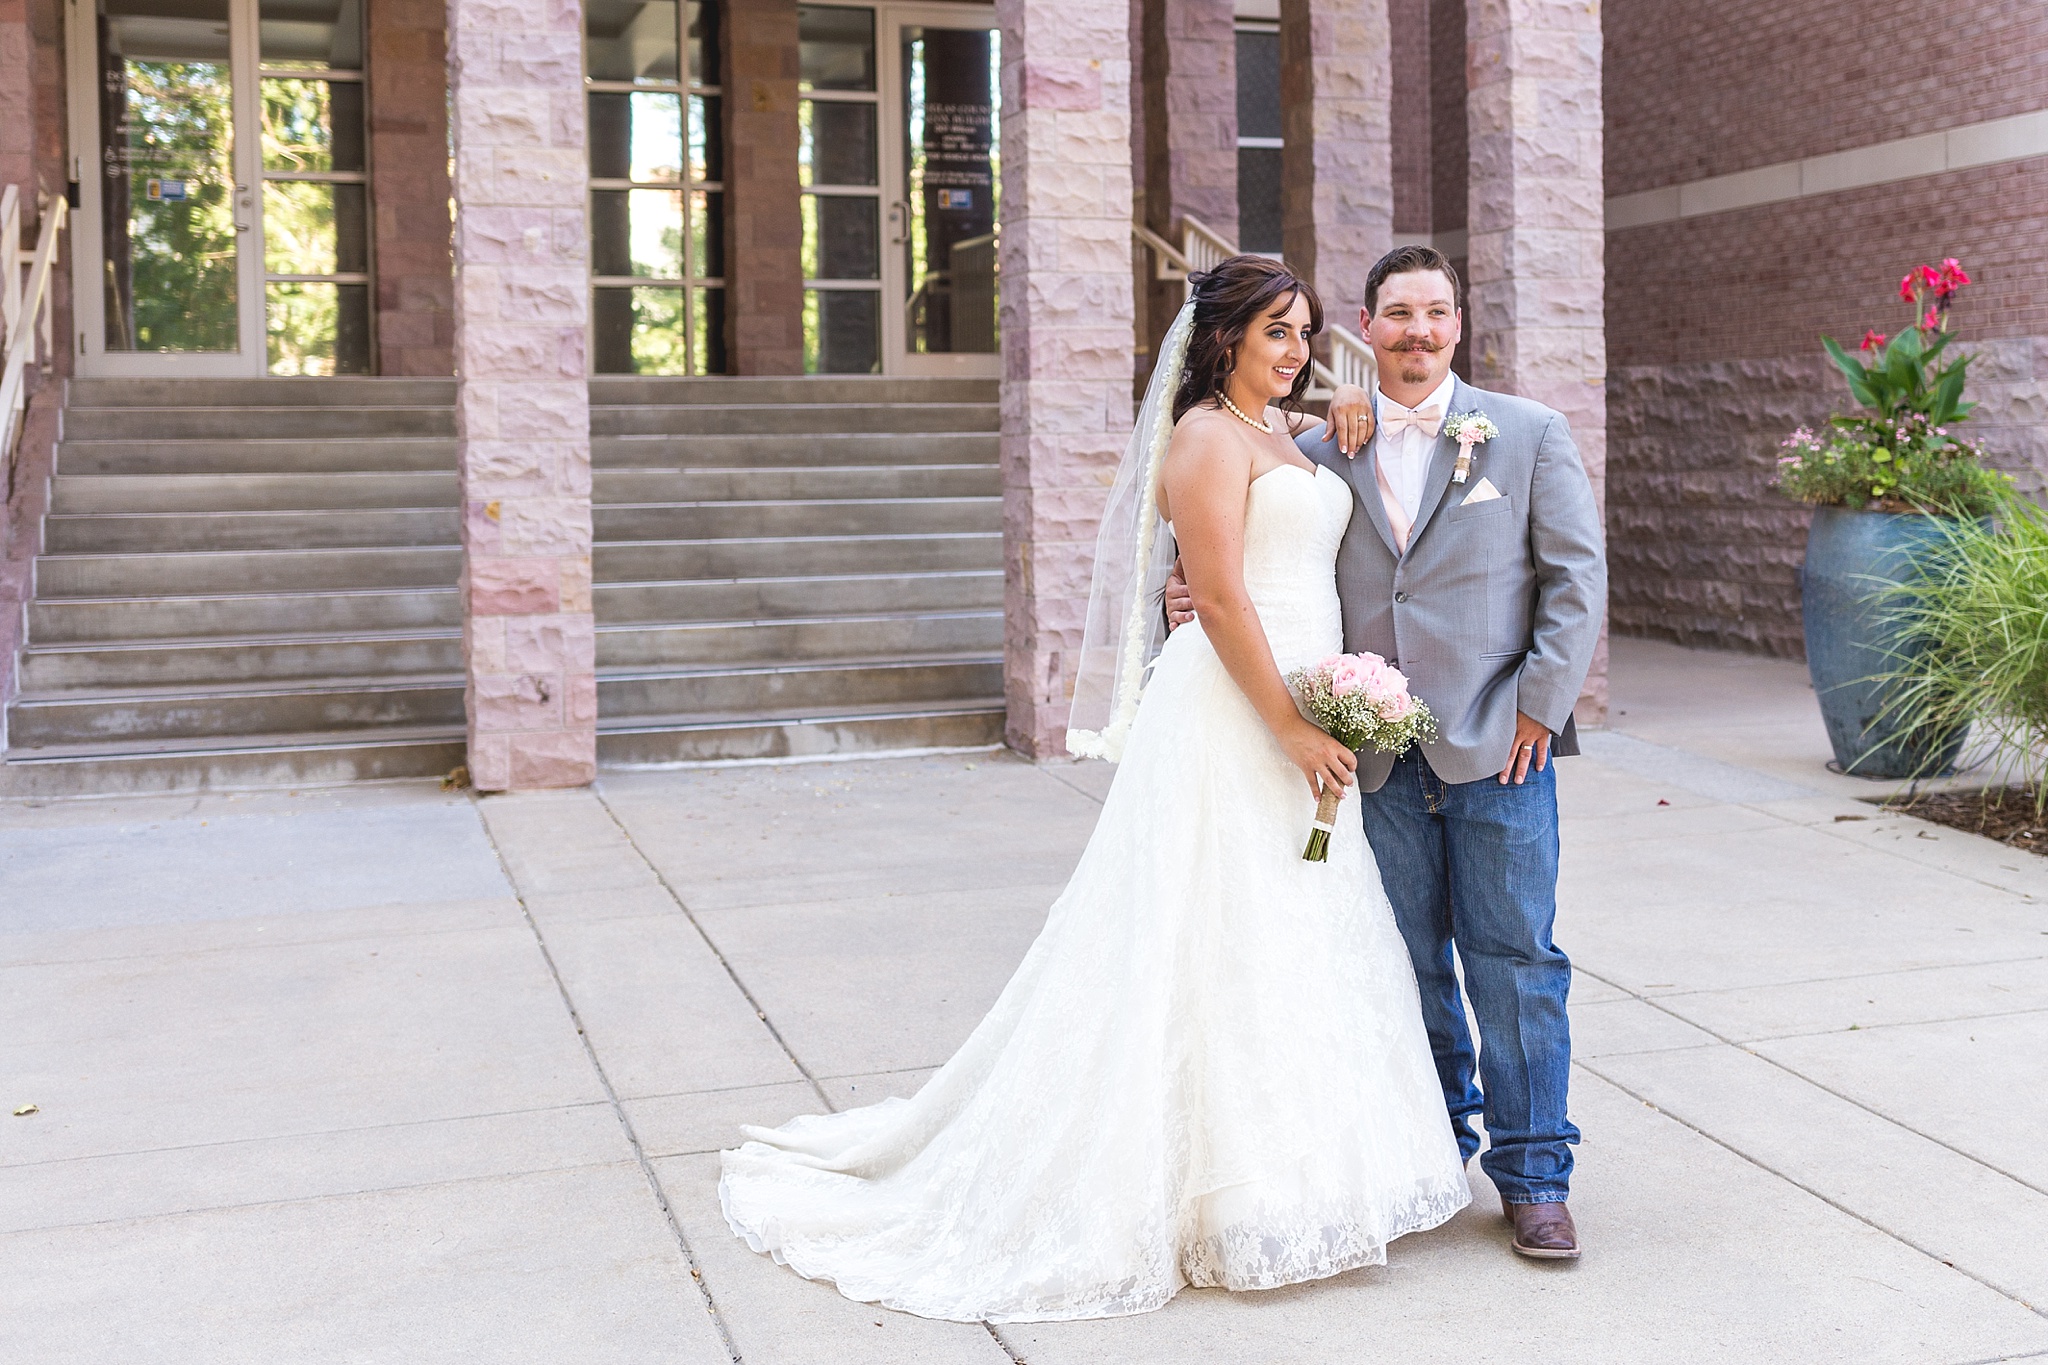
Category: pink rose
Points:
column 1346, row 677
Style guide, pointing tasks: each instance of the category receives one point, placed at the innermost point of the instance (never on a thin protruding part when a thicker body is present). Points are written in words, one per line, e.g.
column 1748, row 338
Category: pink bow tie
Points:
column 1427, row 420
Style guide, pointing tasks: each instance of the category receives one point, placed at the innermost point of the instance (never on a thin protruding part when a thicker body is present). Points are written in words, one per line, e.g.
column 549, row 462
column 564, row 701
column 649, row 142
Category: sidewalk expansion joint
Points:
column 611, row 1093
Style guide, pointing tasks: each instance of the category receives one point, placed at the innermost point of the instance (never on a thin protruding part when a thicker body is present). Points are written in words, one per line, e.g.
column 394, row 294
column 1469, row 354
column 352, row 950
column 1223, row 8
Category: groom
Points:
column 1484, row 580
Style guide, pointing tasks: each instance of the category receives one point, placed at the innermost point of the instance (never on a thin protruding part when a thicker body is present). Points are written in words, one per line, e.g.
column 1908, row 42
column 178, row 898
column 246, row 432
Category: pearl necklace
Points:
column 1238, row 413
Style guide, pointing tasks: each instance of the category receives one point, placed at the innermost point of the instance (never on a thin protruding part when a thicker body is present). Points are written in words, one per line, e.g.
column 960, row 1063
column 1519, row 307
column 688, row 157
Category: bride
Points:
column 1210, row 1068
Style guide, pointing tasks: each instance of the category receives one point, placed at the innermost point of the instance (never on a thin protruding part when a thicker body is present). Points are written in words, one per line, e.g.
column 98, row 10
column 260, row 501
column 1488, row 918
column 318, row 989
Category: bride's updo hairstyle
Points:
column 1229, row 301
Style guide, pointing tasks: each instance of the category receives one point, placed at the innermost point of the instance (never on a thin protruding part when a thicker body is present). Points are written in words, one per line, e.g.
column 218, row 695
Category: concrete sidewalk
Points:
column 388, row 1075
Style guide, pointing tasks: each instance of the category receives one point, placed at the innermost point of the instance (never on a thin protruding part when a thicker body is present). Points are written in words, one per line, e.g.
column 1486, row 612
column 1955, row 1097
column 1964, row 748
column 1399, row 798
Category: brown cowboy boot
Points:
column 1543, row 1231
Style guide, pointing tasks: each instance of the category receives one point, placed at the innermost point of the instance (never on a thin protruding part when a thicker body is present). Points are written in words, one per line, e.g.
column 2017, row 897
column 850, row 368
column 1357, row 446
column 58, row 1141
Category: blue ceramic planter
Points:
column 1850, row 557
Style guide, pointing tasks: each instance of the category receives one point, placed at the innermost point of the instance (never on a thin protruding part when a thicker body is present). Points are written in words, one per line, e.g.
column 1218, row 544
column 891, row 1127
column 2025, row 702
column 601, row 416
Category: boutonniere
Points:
column 1468, row 429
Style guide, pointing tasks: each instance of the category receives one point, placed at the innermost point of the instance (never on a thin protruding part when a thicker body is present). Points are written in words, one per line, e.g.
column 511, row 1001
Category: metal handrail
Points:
column 26, row 311
column 1203, row 248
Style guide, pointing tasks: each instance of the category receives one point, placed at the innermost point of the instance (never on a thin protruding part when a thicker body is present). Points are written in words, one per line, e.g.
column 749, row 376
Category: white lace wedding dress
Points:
column 1210, row 1068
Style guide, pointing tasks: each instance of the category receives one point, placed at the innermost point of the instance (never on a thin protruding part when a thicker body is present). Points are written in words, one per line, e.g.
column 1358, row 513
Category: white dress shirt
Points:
column 1405, row 457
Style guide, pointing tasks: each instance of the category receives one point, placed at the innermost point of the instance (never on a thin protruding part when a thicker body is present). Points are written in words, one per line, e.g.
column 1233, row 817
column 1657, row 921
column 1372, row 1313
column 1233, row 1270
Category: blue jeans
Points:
column 1475, row 864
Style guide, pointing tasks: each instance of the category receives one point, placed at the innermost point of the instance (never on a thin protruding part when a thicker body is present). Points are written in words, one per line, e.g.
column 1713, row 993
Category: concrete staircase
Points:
column 251, row 582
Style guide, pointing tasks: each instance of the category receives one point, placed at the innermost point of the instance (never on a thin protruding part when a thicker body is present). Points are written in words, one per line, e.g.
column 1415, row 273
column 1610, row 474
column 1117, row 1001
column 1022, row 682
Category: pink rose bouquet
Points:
column 1364, row 703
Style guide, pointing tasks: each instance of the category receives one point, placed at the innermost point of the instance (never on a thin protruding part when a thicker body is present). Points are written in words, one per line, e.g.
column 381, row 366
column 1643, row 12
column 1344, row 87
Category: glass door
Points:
column 224, row 218
column 945, row 172
column 900, row 165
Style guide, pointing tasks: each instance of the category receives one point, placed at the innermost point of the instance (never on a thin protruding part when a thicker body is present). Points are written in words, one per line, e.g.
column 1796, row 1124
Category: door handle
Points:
column 244, row 202
column 899, row 223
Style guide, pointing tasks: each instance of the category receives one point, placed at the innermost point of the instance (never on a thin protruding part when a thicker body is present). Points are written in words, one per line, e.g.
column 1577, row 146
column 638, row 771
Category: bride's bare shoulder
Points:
column 1203, row 440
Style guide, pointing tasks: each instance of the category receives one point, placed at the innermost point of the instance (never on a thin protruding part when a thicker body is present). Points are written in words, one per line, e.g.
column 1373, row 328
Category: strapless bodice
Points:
column 1293, row 521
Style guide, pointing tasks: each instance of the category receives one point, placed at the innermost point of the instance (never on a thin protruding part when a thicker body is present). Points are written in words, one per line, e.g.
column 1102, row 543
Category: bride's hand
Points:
column 1350, row 418
column 1322, row 760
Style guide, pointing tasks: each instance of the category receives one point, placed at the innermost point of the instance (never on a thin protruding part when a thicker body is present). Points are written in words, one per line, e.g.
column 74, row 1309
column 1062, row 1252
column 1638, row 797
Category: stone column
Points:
column 764, row 275
column 1066, row 308
column 1337, row 204
column 1536, row 220
column 1189, row 94
column 522, row 244
column 408, row 117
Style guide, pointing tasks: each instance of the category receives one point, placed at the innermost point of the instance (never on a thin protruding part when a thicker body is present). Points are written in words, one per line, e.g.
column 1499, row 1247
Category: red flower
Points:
column 1932, row 322
column 1929, row 276
column 1952, row 278
column 1873, row 340
column 1908, row 285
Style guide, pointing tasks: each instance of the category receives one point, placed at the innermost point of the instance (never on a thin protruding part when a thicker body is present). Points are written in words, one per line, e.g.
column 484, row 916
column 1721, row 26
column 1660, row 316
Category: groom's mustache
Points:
column 1425, row 346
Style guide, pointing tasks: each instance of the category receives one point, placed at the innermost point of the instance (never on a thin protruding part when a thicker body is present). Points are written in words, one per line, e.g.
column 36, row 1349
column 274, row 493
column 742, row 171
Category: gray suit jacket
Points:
column 1496, row 606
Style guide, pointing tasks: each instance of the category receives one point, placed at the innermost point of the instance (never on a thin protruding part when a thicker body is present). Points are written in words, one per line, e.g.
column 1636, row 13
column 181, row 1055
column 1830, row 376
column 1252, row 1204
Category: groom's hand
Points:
column 1350, row 418
column 1532, row 745
column 1180, row 603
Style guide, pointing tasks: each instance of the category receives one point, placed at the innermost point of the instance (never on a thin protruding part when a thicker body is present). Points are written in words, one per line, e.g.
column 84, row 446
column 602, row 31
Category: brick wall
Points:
column 1713, row 327
column 764, row 278
column 408, row 111
column 1697, row 88
column 1449, row 136
column 1413, row 171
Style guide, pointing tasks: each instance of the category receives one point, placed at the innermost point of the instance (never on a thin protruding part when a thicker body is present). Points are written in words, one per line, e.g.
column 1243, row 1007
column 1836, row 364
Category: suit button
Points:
column 1400, row 597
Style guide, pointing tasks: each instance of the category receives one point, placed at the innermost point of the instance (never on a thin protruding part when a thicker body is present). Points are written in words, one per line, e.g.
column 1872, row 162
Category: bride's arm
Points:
column 1207, row 481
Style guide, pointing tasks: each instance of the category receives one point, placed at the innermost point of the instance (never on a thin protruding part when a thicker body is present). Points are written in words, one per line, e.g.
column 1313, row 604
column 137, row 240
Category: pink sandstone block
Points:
column 515, row 701
column 513, row 587
column 490, row 762
column 561, row 758
column 560, row 643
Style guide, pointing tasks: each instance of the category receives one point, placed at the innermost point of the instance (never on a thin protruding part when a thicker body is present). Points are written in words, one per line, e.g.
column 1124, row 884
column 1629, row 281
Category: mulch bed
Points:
column 2007, row 815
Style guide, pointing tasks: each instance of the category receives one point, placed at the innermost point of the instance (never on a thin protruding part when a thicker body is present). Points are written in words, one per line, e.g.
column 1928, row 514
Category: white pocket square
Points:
column 1483, row 491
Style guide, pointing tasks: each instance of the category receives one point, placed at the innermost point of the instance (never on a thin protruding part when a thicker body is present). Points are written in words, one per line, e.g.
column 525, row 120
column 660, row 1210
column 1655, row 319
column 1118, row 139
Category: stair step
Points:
column 793, row 419
column 736, row 599
column 186, row 492
column 163, row 532
column 204, row 572
column 973, row 723
column 42, row 724
column 80, row 620
column 797, row 556
column 233, row 762
column 811, row 450
column 349, row 391
column 793, row 517
column 388, row 454
column 817, row 685
column 615, row 487
column 708, row 643
column 265, row 660
column 647, row 390
column 230, row 423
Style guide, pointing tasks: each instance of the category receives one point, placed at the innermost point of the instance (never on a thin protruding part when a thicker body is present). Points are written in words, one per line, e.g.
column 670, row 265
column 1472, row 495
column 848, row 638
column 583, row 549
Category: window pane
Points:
column 707, row 146
column 321, row 329
column 638, row 330
column 842, row 237
column 637, row 232
column 311, row 228
column 707, row 234
column 703, row 23
column 312, row 33
column 312, row 125
column 836, row 143
column 1258, row 198
column 1258, row 83
column 630, row 40
column 842, row 331
column 167, row 221
column 707, row 331
column 949, row 189
column 835, row 48
column 636, row 137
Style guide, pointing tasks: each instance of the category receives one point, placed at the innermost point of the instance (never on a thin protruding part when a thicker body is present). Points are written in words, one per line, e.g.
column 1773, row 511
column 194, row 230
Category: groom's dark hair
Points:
column 1404, row 259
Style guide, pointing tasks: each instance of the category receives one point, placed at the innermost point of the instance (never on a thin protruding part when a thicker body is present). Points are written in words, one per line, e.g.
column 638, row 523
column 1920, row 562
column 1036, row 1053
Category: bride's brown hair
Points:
column 1228, row 300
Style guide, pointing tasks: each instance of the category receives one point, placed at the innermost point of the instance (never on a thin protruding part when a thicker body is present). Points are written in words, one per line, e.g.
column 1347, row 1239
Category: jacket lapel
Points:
column 1441, row 462
column 1359, row 470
